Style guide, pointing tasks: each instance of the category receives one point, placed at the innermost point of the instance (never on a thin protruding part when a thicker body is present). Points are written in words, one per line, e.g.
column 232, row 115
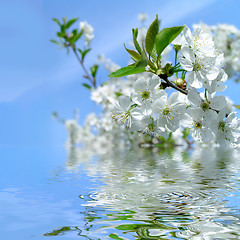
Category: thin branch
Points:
column 87, row 75
column 170, row 84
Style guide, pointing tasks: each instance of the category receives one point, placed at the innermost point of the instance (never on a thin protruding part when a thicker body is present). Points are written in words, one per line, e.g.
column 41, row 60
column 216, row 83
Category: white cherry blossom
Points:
column 199, row 42
column 201, row 69
column 169, row 111
column 201, row 124
column 87, row 32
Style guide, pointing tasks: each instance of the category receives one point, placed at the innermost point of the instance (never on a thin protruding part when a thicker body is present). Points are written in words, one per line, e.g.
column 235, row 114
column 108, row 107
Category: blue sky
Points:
column 37, row 78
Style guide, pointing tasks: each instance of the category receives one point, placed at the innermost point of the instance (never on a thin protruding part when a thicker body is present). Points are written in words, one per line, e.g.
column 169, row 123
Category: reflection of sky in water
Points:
column 162, row 192
column 37, row 194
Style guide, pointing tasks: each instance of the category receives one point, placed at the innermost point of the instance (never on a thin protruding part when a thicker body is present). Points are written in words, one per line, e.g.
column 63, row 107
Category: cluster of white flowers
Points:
column 145, row 112
column 227, row 39
column 87, row 32
column 150, row 110
column 100, row 133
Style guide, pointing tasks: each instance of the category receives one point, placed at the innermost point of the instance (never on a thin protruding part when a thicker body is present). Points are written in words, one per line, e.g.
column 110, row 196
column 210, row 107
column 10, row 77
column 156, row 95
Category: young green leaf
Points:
column 142, row 63
column 94, row 69
column 136, row 57
column 144, row 60
column 61, row 34
column 87, row 86
column 75, row 36
column 186, row 132
column 129, row 70
column 165, row 37
column 237, row 106
column 57, row 21
column 71, row 22
column 84, row 53
column 151, row 34
column 136, row 44
column 63, row 28
column 55, row 42
column 154, row 54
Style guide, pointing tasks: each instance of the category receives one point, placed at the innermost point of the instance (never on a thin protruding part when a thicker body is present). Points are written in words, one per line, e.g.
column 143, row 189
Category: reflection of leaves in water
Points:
column 169, row 194
column 114, row 236
column 62, row 231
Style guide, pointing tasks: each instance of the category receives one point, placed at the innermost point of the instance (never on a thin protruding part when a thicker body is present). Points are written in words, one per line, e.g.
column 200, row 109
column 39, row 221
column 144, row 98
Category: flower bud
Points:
column 177, row 47
column 181, row 83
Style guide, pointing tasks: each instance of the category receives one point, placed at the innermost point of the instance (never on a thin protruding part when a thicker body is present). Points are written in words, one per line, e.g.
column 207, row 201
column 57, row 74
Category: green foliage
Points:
column 55, row 42
column 71, row 22
column 75, row 36
column 129, row 70
column 186, row 132
column 87, row 86
column 94, row 69
column 165, row 37
column 57, row 21
column 142, row 63
column 237, row 106
column 84, row 52
column 151, row 35
column 136, row 44
column 155, row 43
column 135, row 56
column 114, row 236
column 69, row 39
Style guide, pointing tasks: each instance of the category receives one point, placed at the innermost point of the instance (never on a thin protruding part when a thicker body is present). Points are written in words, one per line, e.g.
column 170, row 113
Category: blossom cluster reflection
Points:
column 183, row 192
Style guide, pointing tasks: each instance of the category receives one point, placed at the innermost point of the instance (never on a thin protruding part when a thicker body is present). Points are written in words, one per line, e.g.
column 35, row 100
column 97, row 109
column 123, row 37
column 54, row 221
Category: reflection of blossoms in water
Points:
column 172, row 184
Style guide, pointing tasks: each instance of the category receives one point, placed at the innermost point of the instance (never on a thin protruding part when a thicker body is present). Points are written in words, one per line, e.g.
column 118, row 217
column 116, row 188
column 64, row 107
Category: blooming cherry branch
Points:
column 201, row 65
column 141, row 102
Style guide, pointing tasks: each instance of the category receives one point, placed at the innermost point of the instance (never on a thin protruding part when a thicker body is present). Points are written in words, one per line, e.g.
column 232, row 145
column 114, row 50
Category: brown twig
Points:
column 170, row 84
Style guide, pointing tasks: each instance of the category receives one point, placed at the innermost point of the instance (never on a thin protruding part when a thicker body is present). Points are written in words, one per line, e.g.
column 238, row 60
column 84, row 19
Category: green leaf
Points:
column 87, row 86
column 186, row 132
column 77, row 36
column 61, row 34
column 136, row 57
column 114, row 236
column 154, row 54
column 71, row 22
column 127, row 71
column 64, row 20
column 142, row 63
column 118, row 94
column 57, row 21
column 55, row 42
column 151, row 35
column 94, row 69
column 63, row 28
column 144, row 60
column 237, row 106
column 84, row 53
column 165, row 37
column 136, row 44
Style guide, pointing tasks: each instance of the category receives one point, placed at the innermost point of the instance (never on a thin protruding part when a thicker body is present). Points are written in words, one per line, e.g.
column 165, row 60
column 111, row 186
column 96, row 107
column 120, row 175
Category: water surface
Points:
column 130, row 194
